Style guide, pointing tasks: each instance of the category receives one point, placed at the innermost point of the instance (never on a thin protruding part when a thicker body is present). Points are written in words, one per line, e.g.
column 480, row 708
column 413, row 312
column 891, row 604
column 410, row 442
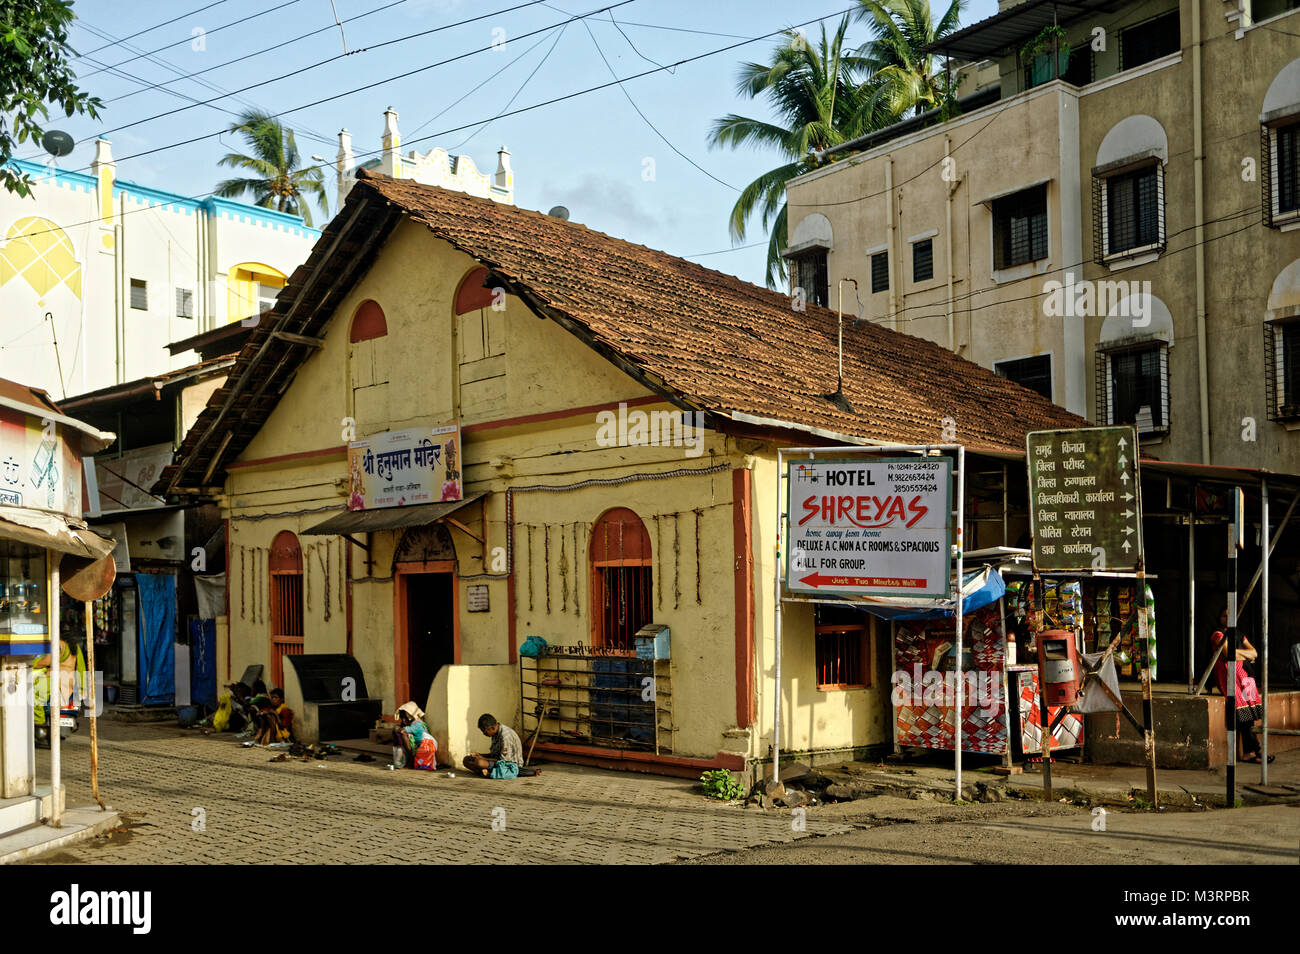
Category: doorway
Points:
column 426, row 628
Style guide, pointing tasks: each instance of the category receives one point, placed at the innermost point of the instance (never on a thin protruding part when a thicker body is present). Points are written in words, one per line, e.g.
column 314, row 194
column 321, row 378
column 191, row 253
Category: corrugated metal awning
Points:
column 388, row 518
column 53, row 531
column 1008, row 30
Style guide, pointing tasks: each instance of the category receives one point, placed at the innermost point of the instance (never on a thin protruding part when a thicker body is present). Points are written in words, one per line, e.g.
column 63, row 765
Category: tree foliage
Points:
column 35, row 75
column 276, row 182
column 826, row 94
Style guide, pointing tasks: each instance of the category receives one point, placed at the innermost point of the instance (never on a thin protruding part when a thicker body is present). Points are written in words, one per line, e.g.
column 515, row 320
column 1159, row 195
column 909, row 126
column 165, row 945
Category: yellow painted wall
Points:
column 405, row 380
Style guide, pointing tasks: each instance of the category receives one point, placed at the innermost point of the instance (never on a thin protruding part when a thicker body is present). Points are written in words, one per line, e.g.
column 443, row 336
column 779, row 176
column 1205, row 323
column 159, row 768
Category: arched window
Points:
column 622, row 580
column 471, row 295
column 368, row 322
column 285, row 566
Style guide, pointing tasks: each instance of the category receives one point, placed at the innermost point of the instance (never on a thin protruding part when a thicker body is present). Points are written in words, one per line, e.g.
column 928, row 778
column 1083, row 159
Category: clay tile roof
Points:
column 706, row 340
column 726, row 345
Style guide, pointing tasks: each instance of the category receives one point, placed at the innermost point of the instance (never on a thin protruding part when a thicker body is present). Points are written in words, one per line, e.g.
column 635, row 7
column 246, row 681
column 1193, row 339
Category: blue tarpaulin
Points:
column 157, row 638
column 203, row 657
column 979, row 588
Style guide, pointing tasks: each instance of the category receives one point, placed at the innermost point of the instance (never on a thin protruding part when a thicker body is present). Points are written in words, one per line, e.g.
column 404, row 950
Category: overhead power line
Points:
column 156, row 26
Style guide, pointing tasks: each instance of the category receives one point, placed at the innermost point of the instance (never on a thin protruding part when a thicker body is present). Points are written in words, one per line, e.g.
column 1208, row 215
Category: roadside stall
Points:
column 41, row 453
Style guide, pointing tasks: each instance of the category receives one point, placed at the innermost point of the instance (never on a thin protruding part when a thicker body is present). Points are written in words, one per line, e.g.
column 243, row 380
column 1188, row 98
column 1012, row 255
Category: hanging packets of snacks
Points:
column 1151, row 630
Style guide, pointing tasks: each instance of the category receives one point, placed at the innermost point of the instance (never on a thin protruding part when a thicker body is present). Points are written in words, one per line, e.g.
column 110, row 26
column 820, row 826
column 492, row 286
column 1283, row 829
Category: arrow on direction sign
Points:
column 1128, row 513
column 1126, row 546
column 1123, row 461
column 1128, row 496
column 1124, row 476
column 821, row 579
column 1123, row 443
column 1128, row 530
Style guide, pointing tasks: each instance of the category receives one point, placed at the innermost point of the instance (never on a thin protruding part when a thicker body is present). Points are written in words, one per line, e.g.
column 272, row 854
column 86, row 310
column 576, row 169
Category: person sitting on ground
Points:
column 412, row 734
column 506, row 755
column 275, row 720
column 1247, row 699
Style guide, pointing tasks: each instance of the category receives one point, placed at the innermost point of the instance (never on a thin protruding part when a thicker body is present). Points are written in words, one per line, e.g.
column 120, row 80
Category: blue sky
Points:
column 588, row 152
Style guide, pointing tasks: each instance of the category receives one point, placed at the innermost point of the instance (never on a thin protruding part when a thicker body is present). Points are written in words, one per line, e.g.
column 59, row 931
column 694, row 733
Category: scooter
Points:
column 69, row 722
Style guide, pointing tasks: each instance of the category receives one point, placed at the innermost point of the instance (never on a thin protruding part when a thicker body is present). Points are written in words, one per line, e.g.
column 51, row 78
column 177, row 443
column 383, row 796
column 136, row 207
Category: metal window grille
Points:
column 1034, row 373
column 880, row 272
column 184, row 303
column 1282, row 369
column 1020, row 228
column 813, row 278
column 1144, row 42
column 286, row 620
column 842, row 657
column 1132, row 387
column 625, row 604
column 1279, row 171
column 1128, row 211
column 923, row 260
column 139, row 294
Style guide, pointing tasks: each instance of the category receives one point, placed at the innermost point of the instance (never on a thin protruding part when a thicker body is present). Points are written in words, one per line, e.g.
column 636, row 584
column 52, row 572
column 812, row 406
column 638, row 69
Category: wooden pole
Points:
column 90, row 703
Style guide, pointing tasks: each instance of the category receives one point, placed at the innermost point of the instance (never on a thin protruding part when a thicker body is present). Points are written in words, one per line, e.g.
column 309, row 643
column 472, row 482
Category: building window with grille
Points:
column 285, row 566
column 1133, row 387
column 1130, row 207
column 1034, row 373
column 843, row 656
column 1282, row 368
column 880, row 271
column 1280, row 145
column 1144, row 42
column 1020, row 228
column 620, row 565
column 185, row 303
column 808, row 271
column 923, row 260
column 139, row 294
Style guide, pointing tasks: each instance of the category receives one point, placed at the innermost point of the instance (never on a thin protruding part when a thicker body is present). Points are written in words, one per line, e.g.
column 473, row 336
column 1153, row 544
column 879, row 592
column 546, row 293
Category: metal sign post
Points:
column 870, row 527
column 1085, row 515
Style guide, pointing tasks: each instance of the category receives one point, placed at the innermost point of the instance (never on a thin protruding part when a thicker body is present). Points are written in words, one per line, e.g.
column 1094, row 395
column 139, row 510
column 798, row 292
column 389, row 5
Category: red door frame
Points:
column 401, row 671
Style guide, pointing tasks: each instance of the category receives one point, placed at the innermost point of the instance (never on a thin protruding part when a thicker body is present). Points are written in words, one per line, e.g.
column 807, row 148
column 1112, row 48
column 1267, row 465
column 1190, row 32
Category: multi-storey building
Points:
column 1112, row 220
column 98, row 275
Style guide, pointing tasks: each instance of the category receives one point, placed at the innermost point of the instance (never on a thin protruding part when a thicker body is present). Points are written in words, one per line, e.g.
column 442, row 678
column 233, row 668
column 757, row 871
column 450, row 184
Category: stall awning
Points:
column 979, row 589
column 388, row 518
column 52, row 531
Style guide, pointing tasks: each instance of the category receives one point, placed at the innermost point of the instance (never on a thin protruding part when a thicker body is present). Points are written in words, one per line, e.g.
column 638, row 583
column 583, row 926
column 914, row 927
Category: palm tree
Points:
column 276, row 182
column 903, row 74
column 818, row 95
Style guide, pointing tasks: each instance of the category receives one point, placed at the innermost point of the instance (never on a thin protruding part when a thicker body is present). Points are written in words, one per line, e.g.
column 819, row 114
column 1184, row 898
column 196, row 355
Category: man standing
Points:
column 506, row 755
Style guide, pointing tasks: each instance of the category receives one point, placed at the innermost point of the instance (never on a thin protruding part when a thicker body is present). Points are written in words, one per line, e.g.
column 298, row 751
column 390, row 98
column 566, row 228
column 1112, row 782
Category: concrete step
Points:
column 79, row 824
column 20, row 812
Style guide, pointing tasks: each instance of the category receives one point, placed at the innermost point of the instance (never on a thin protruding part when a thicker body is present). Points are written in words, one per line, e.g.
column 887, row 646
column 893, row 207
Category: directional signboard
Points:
column 1085, row 508
column 870, row 527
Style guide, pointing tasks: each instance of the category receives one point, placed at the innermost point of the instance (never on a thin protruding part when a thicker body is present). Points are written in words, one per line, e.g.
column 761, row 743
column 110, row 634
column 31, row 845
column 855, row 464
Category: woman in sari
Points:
column 412, row 734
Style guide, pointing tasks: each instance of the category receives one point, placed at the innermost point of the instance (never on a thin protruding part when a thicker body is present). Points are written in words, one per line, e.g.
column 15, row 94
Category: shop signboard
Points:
column 38, row 470
column 401, row 468
column 1085, row 508
column 870, row 527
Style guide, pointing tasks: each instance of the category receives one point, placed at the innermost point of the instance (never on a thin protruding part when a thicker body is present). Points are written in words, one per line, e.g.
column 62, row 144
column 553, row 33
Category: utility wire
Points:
column 156, row 26
column 217, row 29
column 644, row 117
column 528, row 79
column 340, row 56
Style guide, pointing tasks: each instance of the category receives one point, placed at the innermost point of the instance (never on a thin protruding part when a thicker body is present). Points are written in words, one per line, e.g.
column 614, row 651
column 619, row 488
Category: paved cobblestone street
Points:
column 340, row 811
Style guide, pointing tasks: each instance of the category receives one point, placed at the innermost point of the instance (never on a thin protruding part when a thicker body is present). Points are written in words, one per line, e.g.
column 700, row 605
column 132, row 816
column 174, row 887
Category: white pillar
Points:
column 391, row 164
column 345, row 169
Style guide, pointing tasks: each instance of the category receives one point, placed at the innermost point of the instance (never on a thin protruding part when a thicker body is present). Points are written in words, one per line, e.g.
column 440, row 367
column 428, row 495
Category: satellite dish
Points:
column 57, row 143
column 559, row 212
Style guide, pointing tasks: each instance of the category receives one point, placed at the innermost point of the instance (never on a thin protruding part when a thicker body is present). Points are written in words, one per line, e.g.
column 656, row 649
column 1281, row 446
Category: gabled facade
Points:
column 567, row 361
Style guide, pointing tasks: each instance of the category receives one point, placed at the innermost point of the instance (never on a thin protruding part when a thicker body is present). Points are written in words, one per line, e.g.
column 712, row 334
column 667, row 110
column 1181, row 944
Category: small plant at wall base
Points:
column 719, row 784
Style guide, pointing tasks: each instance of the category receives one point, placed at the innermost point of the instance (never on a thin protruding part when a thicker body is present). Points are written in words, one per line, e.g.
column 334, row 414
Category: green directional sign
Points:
column 1085, row 506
